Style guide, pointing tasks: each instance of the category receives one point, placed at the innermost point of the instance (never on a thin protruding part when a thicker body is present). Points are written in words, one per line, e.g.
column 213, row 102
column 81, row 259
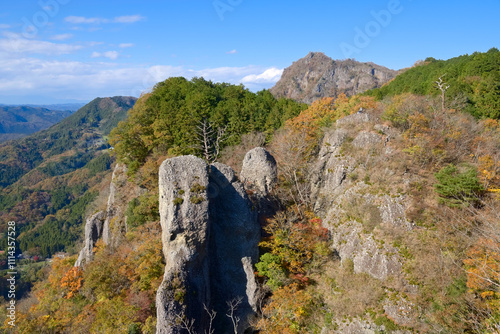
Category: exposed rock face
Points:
column 235, row 235
column 366, row 139
column 114, row 213
column 356, row 212
column 316, row 76
column 333, row 193
column 368, row 254
column 110, row 224
column 353, row 119
column 185, row 226
column 93, row 232
column 259, row 170
column 210, row 241
column 330, row 170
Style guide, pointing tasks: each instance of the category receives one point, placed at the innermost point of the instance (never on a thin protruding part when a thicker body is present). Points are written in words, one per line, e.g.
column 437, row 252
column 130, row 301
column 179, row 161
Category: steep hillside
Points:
column 47, row 178
column 473, row 82
column 316, row 76
column 19, row 121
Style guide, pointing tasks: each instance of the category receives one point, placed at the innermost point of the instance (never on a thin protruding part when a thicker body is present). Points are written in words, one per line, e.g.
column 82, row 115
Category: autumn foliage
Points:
column 287, row 312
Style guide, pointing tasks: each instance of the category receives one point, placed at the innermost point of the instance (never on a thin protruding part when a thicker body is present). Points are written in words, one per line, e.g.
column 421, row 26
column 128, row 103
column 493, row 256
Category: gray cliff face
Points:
column 356, row 212
column 93, row 232
column 210, row 238
column 235, row 235
column 114, row 225
column 184, row 217
column 316, row 76
column 109, row 224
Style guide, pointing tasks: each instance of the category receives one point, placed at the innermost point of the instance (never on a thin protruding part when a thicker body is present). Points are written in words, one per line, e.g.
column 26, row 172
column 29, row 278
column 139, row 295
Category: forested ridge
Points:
column 473, row 80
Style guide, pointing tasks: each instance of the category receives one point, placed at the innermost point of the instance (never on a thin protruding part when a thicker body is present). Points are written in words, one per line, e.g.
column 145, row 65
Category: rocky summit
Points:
column 316, row 76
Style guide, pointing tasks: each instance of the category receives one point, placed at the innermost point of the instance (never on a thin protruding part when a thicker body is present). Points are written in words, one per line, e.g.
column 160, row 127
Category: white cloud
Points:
column 4, row 26
column 61, row 37
column 271, row 75
column 128, row 19
column 108, row 54
column 14, row 43
column 126, row 45
column 85, row 20
column 99, row 20
column 232, row 52
column 54, row 79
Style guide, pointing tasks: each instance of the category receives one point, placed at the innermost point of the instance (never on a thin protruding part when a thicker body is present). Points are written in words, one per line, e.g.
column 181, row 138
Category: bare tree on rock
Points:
column 209, row 140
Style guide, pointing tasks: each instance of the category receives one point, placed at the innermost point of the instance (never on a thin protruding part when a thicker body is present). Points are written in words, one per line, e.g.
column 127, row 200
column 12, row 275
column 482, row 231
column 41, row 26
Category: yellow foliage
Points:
column 287, row 312
column 323, row 112
column 483, row 266
column 295, row 242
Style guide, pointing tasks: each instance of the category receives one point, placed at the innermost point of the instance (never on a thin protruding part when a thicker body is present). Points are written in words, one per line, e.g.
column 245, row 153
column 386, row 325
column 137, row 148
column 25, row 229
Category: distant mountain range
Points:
column 17, row 121
column 317, row 75
column 53, row 106
column 57, row 168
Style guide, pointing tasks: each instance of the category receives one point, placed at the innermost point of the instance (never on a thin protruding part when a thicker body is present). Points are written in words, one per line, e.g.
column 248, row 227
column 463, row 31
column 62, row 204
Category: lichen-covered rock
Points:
column 210, row 241
column 393, row 212
column 259, row 171
column 114, row 211
column 184, row 218
column 93, row 232
column 400, row 310
column 360, row 326
column 366, row 139
column 353, row 119
column 328, row 176
column 368, row 255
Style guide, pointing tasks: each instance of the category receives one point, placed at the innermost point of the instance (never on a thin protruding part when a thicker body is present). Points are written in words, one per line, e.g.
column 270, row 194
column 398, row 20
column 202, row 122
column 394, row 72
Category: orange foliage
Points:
column 287, row 312
column 72, row 281
column 311, row 119
column 483, row 267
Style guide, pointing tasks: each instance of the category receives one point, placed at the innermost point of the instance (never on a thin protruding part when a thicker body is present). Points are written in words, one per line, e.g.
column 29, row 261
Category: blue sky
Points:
column 65, row 50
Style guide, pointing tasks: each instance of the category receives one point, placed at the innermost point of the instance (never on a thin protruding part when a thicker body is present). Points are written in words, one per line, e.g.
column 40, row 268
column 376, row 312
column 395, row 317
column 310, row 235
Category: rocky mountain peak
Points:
column 316, row 76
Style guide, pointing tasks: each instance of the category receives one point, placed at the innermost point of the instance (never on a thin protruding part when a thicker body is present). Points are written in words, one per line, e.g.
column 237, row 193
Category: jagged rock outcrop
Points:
column 115, row 223
column 259, row 171
column 316, row 76
column 109, row 224
column 93, row 232
column 185, row 222
column 210, row 238
column 356, row 211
